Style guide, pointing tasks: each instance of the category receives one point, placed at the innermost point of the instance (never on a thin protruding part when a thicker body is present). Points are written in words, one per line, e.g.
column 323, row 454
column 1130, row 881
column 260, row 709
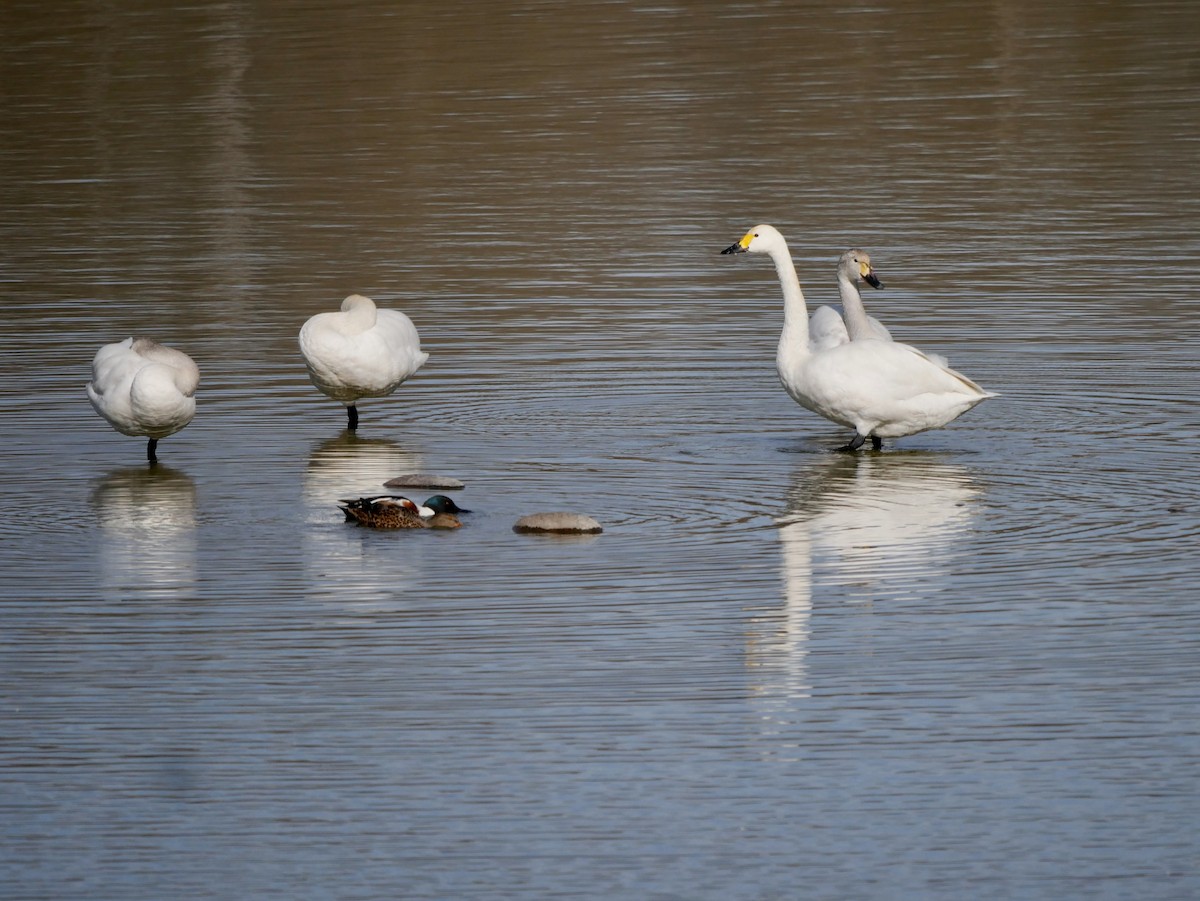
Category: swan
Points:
column 881, row 389
column 144, row 389
column 360, row 351
column 854, row 267
column 829, row 327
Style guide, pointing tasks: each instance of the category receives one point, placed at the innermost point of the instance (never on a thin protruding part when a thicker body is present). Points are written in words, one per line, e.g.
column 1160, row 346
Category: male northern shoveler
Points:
column 395, row 512
column 439, row 503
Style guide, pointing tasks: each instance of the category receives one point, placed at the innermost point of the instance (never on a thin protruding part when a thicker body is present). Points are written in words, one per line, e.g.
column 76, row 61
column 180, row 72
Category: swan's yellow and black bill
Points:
column 742, row 245
column 871, row 278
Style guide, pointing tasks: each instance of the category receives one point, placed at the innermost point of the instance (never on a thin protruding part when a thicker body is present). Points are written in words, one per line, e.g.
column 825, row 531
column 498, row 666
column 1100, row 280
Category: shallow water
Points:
column 962, row 667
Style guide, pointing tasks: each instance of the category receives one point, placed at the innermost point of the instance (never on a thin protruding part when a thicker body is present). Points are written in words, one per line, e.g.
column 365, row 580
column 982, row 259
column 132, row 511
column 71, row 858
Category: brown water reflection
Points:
column 774, row 662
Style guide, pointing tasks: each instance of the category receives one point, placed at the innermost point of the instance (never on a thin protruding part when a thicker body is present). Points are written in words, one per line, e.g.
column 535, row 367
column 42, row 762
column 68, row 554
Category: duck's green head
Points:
column 439, row 503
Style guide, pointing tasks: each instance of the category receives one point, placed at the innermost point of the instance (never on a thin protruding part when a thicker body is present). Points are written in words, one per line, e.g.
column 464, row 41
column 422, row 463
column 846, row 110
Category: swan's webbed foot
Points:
column 855, row 443
column 351, row 417
column 859, row 440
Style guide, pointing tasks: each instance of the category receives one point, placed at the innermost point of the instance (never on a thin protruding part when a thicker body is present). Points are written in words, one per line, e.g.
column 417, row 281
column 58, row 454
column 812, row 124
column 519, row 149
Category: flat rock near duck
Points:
column 424, row 480
column 576, row 523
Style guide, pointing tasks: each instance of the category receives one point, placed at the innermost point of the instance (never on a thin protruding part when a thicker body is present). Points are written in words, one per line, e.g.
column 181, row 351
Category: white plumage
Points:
column 360, row 351
column 144, row 388
column 881, row 389
column 830, row 326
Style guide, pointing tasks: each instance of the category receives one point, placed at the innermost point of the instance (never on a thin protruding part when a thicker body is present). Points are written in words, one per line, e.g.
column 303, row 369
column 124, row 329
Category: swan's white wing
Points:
column 889, row 388
column 826, row 329
column 403, row 342
column 879, row 329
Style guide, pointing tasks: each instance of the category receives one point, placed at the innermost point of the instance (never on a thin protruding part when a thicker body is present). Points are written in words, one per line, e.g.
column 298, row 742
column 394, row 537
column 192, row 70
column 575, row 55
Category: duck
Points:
column 395, row 512
column 440, row 503
column 881, row 389
column 828, row 326
column 360, row 351
column 385, row 500
column 144, row 389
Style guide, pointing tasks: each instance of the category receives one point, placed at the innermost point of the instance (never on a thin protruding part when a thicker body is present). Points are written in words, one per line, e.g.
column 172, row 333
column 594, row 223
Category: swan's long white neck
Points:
column 853, row 311
column 794, row 340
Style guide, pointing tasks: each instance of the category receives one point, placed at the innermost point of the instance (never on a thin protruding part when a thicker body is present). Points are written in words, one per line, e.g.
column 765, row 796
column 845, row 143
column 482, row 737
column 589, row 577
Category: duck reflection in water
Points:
column 865, row 528
column 147, row 519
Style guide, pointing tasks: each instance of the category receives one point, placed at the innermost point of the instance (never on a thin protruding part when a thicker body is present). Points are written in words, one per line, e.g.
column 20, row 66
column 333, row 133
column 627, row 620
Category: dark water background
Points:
column 965, row 667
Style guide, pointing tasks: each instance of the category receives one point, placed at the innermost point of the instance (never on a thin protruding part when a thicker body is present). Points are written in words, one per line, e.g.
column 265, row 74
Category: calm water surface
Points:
column 964, row 667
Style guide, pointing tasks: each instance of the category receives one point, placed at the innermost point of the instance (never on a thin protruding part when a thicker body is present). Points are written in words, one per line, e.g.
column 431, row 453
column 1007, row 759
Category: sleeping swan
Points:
column 145, row 389
column 361, row 351
column 880, row 389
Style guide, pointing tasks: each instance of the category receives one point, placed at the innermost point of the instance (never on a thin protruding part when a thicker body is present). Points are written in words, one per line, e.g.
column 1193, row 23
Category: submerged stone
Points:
column 577, row 523
column 424, row 480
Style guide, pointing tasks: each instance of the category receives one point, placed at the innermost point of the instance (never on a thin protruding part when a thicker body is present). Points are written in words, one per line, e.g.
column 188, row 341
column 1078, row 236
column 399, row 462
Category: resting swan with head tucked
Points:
column 144, row 388
column 881, row 389
column 360, row 351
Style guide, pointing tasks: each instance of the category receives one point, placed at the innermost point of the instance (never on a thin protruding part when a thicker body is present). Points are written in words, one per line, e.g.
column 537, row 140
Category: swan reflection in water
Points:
column 357, row 566
column 857, row 528
column 147, row 537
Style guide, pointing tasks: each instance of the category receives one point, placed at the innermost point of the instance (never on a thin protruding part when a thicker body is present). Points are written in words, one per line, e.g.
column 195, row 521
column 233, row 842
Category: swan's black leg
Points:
column 352, row 417
column 151, row 456
column 876, row 442
column 855, row 443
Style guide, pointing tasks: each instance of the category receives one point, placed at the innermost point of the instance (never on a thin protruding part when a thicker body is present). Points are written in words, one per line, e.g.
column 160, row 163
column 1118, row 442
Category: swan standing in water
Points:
column 880, row 389
column 360, row 351
column 828, row 327
column 144, row 389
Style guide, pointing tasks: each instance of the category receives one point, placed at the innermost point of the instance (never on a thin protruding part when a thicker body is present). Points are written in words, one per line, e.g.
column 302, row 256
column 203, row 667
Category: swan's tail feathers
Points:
column 974, row 386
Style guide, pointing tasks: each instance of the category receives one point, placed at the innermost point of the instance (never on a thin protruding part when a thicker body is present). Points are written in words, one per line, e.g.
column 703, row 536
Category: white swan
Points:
column 143, row 388
column 854, row 268
column 828, row 327
column 361, row 351
column 881, row 389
